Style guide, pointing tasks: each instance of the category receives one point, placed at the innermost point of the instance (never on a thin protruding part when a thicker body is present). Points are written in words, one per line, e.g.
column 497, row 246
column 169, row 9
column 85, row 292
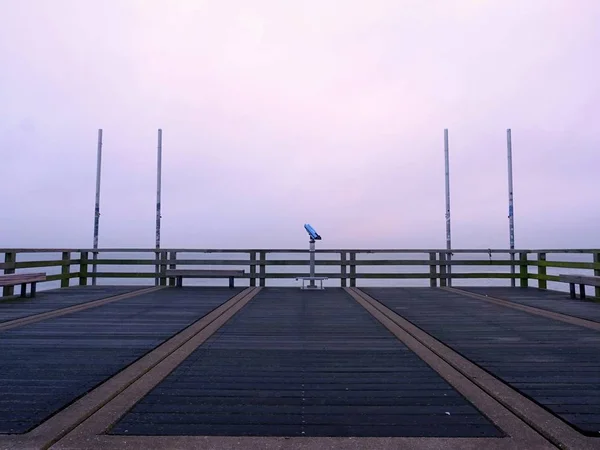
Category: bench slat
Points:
column 580, row 279
column 20, row 278
column 202, row 273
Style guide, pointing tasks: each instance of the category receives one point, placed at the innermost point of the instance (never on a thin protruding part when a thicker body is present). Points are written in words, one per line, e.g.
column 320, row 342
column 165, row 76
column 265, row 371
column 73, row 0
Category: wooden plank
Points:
column 252, row 263
column 289, row 262
column 536, row 276
column 163, row 268
column 124, row 275
column 523, row 275
column 566, row 264
column 263, row 270
column 335, row 250
column 542, row 283
column 38, row 264
column 203, row 273
column 580, row 279
column 597, row 272
column 9, row 260
column 343, row 269
column 352, row 269
column 443, row 276
column 433, row 269
column 66, row 257
column 83, row 268
column 15, row 279
column 172, row 266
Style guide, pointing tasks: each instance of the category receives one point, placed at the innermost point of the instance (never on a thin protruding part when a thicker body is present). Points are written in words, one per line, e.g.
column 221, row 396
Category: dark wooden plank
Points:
column 549, row 300
column 15, row 279
column 67, row 356
column 54, row 299
column 580, row 279
column 542, row 358
column 304, row 363
column 191, row 273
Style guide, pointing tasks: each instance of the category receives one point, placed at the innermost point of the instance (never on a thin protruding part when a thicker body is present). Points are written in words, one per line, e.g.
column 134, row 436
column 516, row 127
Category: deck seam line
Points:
column 543, row 422
column 572, row 320
column 123, row 399
column 34, row 318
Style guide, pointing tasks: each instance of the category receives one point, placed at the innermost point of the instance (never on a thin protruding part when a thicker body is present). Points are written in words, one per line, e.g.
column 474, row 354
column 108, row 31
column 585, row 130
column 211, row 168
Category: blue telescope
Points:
column 311, row 232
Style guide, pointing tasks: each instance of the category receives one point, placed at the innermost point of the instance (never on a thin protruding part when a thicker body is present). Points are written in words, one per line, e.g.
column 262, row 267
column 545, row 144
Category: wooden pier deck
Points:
column 267, row 367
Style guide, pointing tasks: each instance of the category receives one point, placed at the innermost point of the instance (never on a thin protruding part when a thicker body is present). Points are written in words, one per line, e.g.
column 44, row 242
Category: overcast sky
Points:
column 276, row 113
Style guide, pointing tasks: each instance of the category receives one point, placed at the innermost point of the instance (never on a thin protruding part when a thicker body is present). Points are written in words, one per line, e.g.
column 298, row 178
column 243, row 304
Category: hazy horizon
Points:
column 276, row 114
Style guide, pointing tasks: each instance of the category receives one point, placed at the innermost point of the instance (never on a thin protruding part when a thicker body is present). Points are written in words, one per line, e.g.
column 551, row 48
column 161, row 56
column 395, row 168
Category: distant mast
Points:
column 97, row 206
column 448, row 228
column 511, row 211
column 158, row 187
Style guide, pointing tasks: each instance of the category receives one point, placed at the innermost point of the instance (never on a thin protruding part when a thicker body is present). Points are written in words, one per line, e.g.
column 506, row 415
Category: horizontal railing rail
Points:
column 346, row 265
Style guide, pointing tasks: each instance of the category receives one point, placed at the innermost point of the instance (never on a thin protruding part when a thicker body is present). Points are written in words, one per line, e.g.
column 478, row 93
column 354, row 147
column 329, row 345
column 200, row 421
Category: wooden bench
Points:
column 23, row 279
column 180, row 274
column 321, row 279
column 581, row 280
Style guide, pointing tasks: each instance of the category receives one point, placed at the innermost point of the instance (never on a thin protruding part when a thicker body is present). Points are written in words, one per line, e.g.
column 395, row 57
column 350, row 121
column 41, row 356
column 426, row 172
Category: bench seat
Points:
column 180, row 274
column 581, row 280
column 23, row 279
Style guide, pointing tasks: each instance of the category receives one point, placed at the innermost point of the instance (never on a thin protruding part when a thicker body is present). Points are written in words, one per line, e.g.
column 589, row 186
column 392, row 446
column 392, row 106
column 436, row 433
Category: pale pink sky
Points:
column 276, row 113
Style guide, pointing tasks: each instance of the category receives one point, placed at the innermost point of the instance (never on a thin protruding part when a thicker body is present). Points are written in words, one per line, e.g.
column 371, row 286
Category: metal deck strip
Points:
column 125, row 390
column 555, row 301
column 304, row 363
column 92, row 303
column 55, row 299
column 68, row 356
column 494, row 352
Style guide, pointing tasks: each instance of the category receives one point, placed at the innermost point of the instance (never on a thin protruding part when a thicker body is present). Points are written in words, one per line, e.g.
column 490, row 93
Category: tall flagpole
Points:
column 448, row 228
column 158, row 202
column 158, row 188
column 97, row 207
column 511, row 213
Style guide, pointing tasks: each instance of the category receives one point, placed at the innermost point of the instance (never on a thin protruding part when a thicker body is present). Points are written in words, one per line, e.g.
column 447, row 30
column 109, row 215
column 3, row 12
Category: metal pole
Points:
column 97, row 208
column 448, row 229
column 158, row 197
column 312, row 263
column 511, row 216
column 158, row 188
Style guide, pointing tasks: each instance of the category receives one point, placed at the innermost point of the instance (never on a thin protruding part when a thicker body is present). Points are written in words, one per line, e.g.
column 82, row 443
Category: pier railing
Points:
column 523, row 268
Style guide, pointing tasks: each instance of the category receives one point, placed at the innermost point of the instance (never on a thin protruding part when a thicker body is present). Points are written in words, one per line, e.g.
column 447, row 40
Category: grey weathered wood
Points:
column 157, row 267
column 9, row 262
column 179, row 274
column 597, row 272
column 203, row 273
column 23, row 279
column 252, row 269
column 343, row 269
column 352, row 269
column 443, row 275
column 66, row 269
column 542, row 283
column 523, row 271
column 432, row 270
column 163, row 268
column 83, row 268
column 172, row 266
column 263, row 269
column 19, row 278
column 581, row 280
